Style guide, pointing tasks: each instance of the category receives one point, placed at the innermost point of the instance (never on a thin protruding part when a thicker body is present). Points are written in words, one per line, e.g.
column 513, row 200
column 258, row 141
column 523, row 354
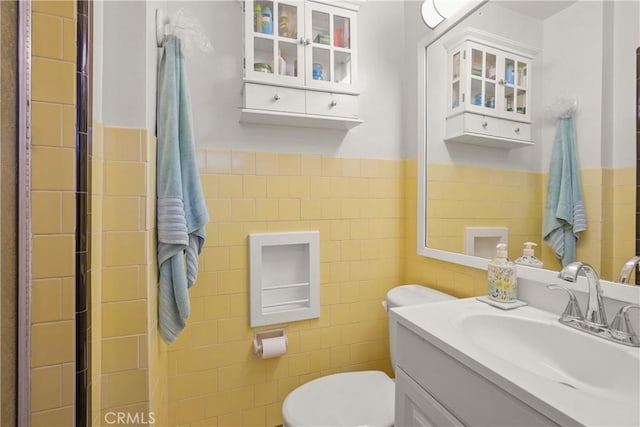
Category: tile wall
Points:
column 637, row 180
column 53, row 213
column 129, row 368
column 466, row 196
column 357, row 205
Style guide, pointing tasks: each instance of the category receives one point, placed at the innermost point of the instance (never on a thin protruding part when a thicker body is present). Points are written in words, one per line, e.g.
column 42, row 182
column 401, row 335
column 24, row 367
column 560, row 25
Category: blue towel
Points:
column 182, row 212
column 564, row 215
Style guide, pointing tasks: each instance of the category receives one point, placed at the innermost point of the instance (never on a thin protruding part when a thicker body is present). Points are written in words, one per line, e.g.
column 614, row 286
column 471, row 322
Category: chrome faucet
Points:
column 621, row 327
column 594, row 315
column 595, row 321
column 627, row 268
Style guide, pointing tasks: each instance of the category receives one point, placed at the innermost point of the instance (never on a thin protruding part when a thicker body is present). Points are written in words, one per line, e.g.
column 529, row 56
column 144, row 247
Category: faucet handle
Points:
column 572, row 310
column 621, row 328
column 627, row 269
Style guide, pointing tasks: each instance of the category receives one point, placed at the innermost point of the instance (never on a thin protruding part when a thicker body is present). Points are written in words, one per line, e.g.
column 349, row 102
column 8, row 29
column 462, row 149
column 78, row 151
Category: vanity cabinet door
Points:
column 473, row 399
column 417, row 408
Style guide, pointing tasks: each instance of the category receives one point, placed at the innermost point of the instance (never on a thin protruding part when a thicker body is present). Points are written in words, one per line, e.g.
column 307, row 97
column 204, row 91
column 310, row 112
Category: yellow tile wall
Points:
column 130, row 364
column 357, row 205
column 609, row 197
column 53, row 213
column 466, row 196
column 97, row 178
column 619, row 238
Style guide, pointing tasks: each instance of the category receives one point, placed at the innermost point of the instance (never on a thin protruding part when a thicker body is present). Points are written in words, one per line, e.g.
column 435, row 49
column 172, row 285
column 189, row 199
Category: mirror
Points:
column 469, row 184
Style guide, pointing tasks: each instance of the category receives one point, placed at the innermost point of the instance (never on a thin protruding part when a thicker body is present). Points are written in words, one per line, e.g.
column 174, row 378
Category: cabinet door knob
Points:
column 517, row 130
column 502, row 82
column 307, row 41
column 276, row 97
column 485, row 124
column 333, row 103
column 301, row 40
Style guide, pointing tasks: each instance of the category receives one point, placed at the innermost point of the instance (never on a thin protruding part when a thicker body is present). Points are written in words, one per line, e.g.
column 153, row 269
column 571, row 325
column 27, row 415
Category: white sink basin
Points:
column 542, row 362
column 557, row 352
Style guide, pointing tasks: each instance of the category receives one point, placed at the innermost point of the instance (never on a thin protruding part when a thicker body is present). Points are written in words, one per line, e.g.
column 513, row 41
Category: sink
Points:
column 557, row 352
column 570, row 376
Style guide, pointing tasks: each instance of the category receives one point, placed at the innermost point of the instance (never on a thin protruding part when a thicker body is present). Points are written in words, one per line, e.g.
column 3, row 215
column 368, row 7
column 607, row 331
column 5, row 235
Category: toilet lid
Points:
column 405, row 295
column 349, row 399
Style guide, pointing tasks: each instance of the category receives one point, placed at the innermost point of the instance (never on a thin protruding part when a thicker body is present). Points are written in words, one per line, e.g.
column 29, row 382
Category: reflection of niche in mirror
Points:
column 482, row 241
column 469, row 185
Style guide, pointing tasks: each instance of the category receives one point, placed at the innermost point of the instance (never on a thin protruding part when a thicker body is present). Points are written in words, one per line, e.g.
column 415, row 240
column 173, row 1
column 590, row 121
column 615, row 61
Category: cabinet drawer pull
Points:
column 517, row 130
column 485, row 124
column 333, row 103
column 276, row 97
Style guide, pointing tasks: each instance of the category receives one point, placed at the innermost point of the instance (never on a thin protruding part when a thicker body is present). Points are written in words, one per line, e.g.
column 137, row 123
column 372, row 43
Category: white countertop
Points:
column 528, row 377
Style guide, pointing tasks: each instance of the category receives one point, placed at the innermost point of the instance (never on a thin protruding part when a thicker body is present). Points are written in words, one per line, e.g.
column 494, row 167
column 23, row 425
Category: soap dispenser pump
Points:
column 502, row 276
column 528, row 257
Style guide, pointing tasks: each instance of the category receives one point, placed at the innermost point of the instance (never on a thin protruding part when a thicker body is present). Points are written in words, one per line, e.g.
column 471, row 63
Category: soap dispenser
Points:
column 502, row 276
column 528, row 257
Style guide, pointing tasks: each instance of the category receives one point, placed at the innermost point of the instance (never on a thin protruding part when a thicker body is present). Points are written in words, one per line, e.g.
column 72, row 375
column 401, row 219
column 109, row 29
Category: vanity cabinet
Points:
column 300, row 63
column 435, row 389
column 488, row 91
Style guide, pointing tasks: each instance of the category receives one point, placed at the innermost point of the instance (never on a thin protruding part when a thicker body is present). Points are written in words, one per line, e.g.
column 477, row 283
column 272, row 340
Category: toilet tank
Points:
column 406, row 295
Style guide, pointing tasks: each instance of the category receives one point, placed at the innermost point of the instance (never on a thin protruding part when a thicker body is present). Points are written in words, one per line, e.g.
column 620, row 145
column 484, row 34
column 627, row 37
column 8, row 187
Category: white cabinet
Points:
column 434, row 388
column 300, row 63
column 488, row 91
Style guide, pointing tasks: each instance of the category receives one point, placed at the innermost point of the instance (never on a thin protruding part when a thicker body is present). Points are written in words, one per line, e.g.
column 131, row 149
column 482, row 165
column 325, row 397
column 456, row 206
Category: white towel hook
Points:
column 562, row 107
column 161, row 20
column 183, row 26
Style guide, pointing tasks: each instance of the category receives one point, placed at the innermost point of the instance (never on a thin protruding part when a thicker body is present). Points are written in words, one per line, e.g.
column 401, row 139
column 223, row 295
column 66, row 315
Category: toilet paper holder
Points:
column 272, row 333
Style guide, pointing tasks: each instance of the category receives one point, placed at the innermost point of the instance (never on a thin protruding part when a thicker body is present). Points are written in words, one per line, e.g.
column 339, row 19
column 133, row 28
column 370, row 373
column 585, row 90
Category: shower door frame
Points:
column 24, row 213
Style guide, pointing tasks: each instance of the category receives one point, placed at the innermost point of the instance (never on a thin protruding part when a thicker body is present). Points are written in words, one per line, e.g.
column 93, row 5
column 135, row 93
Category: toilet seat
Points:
column 364, row 398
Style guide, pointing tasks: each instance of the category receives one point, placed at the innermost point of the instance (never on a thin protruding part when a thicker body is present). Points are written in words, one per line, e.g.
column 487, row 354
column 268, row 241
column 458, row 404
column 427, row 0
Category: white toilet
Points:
column 364, row 398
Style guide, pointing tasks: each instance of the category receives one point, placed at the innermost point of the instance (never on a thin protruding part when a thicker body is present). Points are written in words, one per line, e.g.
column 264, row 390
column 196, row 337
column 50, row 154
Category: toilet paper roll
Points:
column 273, row 347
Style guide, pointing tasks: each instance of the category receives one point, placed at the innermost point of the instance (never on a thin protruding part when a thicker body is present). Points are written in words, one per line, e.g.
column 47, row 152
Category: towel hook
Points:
column 161, row 21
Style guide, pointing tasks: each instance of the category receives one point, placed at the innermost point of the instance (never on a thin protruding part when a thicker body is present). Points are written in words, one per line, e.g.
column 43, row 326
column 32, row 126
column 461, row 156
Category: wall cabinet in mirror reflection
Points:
column 488, row 89
column 300, row 64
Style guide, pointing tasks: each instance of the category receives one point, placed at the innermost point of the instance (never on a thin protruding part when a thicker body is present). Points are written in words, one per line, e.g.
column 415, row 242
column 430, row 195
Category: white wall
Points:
column 216, row 83
column 572, row 63
column 125, row 60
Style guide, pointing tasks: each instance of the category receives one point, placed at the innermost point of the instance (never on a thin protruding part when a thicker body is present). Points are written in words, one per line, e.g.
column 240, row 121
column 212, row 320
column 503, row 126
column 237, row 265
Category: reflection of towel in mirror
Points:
column 182, row 213
column 564, row 215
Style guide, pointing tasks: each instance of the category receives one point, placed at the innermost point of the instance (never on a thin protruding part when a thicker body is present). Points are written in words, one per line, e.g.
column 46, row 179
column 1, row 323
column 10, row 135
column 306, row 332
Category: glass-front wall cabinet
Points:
column 300, row 44
column 489, row 81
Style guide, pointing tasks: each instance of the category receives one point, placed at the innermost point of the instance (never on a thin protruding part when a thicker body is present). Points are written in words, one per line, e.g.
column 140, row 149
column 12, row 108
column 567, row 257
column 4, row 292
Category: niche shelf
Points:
column 284, row 277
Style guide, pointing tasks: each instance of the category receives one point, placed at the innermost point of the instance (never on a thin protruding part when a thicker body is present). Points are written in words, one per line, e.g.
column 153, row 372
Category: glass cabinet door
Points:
column 456, row 83
column 330, row 54
column 274, row 52
column 482, row 78
column 515, row 85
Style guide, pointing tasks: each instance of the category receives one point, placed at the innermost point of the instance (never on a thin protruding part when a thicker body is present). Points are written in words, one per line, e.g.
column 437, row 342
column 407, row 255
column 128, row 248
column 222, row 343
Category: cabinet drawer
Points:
column 468, row 396
column 500, row 128
column 274, row 98
column 332, row 104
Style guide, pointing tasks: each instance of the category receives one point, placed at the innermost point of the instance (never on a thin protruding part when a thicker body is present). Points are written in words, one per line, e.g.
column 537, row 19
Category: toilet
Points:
column 364, row 398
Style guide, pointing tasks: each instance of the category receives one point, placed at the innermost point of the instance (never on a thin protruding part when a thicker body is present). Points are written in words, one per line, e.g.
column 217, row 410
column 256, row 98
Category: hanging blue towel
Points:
column 181, row 209
column 564, row 214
